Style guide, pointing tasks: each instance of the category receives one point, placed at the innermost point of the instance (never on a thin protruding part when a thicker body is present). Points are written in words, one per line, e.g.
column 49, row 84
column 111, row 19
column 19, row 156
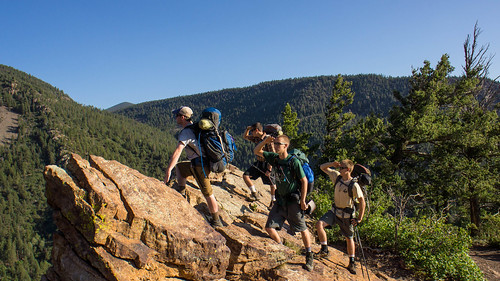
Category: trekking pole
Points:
column 362, row 254
column 356, row 239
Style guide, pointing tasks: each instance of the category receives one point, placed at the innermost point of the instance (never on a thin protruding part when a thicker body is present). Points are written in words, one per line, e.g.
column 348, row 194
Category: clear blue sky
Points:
column 102, row 53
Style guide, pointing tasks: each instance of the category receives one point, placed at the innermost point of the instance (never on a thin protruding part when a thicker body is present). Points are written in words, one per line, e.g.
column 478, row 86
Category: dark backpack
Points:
column 217, row 144
column 273, row 130
column 304, row 162
column 362, row 176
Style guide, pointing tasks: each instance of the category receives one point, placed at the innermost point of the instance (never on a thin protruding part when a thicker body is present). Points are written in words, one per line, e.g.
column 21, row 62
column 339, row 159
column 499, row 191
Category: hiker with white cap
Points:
column 187, row 141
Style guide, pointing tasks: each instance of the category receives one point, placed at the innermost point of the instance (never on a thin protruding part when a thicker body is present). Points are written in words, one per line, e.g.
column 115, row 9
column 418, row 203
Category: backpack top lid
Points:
column 273, row 130
column 362, row 173
column 299, row 154
column 212, row 114
column 359, row 169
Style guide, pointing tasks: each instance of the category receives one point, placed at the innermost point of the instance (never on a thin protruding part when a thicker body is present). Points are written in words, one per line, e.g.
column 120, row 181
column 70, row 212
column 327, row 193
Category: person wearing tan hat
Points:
column 187, row 141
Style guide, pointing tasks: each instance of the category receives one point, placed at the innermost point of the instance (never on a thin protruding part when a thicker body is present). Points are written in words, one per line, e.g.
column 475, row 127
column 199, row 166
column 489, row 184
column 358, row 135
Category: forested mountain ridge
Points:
column 265, row 101
column 50, row 125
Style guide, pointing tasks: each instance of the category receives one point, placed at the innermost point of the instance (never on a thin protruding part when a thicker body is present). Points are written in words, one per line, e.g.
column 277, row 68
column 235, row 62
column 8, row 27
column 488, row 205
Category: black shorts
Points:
column 258, row 170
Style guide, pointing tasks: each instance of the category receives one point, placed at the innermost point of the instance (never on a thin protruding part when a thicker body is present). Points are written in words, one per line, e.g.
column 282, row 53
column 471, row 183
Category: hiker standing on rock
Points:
column 260, row 168
column 291, row 191
column 187, row 139
column 343, row 211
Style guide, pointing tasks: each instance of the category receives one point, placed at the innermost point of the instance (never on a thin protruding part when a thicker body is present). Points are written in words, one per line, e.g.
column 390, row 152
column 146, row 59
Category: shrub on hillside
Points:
column 378, row 231
column 437, row 250
column 431, row 248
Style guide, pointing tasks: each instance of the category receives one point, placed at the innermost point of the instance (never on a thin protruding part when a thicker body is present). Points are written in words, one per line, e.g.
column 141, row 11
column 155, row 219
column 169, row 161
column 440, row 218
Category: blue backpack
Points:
column 216, row 146
column 304, row 161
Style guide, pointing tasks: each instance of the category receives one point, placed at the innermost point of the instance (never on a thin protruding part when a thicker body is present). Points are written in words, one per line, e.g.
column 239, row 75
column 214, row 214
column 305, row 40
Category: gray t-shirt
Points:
column 187, row 137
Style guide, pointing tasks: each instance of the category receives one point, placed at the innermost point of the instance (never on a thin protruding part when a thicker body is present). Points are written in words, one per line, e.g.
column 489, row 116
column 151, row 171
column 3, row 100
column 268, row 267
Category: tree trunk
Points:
column 474, row 215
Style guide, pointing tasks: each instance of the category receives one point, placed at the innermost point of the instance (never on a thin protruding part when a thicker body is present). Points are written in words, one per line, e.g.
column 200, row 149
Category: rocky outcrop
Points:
column 117, row 224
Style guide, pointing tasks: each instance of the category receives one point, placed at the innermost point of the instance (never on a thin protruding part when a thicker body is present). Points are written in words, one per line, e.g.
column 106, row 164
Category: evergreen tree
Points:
column 444, row 142
column 337, row 120
column 291, row 127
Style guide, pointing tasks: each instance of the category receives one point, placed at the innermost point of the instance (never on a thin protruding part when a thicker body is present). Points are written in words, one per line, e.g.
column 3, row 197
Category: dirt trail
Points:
column 8, row 125
column 488, row 260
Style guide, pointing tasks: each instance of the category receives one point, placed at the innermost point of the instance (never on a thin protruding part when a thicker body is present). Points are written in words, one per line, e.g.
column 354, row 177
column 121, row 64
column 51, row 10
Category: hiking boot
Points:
column 351, row 267
column 215, row 221
column 323, row 253
column 181, row 190
column 309, row 261
column 253, row 197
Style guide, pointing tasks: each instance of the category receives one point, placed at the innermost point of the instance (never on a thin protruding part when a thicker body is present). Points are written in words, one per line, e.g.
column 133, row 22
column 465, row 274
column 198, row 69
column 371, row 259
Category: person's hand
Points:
column 167, row 177
column 303, row 205
column 355, row 221
column 268, row 139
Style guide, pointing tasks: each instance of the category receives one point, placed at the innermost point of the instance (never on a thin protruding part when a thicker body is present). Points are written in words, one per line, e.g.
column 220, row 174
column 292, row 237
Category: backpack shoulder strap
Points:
column 290, row 166
column 337, row 180
column 350, row 186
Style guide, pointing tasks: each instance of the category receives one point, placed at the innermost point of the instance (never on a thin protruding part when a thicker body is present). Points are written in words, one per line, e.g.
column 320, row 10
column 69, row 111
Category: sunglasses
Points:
column 279, row 143
column 342, row 167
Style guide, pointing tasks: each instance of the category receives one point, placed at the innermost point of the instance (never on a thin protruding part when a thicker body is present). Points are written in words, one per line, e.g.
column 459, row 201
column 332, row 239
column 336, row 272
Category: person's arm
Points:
column 303, row 193
column 259, row 149
column 361, row 213
column 245, row 134
column 270, row 148
column 173, row 161
column 326, row 166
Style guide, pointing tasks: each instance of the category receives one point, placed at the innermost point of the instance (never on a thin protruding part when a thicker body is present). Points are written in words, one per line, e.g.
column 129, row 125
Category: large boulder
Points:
column 120, row 221
column 116, row 224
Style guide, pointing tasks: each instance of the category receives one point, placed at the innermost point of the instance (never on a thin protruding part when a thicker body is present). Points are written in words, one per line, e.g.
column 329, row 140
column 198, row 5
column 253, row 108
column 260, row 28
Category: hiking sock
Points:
column 253, row 196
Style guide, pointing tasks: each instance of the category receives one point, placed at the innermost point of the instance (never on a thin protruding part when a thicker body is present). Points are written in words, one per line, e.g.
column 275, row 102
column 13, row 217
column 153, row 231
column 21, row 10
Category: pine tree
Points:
column 336, row 119
column 291, row 128
column 444, row 141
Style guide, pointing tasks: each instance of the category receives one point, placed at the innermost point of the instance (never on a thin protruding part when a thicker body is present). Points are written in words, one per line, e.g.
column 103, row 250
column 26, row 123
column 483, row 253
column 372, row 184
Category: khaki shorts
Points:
column 346, row 228
column 186, row 169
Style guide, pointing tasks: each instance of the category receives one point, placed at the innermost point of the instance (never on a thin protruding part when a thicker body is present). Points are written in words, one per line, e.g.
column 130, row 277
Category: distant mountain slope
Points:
column 264, row 102
column 119, row 106
column 50, row 125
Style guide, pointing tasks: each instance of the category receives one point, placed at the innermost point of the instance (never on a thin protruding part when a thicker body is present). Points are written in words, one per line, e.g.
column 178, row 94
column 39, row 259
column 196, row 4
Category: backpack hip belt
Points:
column 345, row 211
